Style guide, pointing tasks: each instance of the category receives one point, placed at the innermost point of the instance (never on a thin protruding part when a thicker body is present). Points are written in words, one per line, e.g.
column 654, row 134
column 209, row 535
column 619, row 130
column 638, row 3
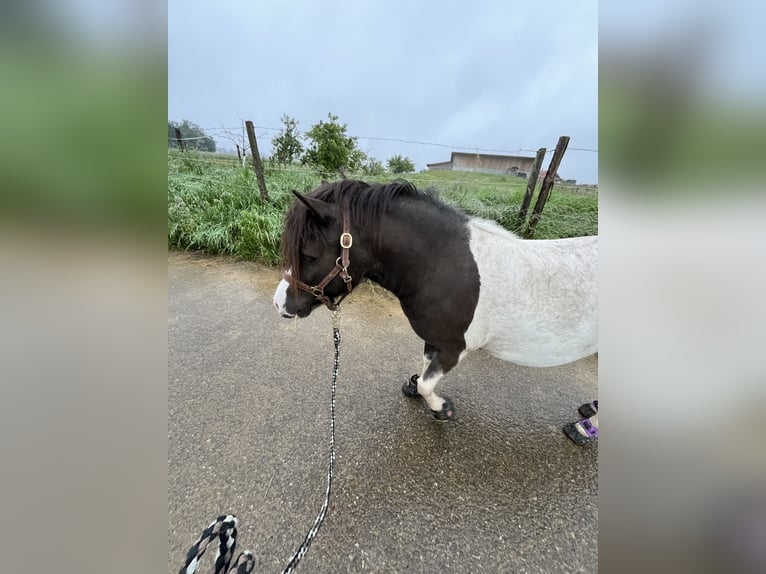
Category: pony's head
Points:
column 313, row 243
column 320, row 263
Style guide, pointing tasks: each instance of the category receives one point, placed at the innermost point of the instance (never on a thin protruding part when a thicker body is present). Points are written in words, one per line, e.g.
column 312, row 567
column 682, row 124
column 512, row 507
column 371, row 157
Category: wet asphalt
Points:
column 499, row 489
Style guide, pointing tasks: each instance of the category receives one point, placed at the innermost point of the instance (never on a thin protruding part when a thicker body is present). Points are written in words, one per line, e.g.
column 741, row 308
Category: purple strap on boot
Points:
column 592, row 431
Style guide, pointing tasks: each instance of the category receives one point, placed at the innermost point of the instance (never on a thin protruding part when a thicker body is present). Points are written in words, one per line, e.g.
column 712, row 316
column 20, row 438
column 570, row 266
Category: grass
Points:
column 214, row 203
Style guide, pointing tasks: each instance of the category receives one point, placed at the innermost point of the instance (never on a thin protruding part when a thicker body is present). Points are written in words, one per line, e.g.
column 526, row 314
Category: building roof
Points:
column 480, row 156
column 488, row 155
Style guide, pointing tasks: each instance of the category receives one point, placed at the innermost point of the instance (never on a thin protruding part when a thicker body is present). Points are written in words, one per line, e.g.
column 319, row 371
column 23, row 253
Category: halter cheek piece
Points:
column 341, row 268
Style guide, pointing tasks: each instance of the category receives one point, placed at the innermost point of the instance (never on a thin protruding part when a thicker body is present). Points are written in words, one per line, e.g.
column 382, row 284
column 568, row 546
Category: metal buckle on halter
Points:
column 346, row 237
column 316, row 291
column 343, row 271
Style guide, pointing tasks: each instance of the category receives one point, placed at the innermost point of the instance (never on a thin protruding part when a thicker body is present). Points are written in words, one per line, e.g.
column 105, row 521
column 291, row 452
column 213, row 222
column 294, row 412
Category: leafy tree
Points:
column 373, row 167
column 201, row 141
column 356, row 160
column 400, row 164
column 330, row 147
column 287, row 146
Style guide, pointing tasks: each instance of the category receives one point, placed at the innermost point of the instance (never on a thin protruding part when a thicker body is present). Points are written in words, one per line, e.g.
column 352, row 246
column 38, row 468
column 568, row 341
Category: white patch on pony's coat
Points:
column 280, row 298
column 426, row 390
column 426, row 386
column 538, row 301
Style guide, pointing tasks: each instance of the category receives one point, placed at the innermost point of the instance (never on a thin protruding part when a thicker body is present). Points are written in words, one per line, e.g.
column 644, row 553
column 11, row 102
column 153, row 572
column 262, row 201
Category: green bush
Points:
column 286, row 145
column 373, row 167
column 330, row 150
column 400, row 164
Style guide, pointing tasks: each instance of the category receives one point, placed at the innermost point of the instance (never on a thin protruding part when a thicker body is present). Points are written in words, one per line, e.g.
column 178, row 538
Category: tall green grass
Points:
column 214, row 203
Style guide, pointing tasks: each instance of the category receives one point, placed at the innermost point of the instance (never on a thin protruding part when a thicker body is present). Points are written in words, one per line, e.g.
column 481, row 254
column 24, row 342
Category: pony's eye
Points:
column 308, row 258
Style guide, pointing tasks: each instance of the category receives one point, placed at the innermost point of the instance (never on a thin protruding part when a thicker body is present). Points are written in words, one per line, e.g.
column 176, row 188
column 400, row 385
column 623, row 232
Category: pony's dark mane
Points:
column 365, row 202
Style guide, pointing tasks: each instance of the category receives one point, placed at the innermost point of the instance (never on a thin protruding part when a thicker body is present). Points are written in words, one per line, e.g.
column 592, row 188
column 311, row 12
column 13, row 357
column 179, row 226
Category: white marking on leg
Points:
column 280, row 298
column 426, row 387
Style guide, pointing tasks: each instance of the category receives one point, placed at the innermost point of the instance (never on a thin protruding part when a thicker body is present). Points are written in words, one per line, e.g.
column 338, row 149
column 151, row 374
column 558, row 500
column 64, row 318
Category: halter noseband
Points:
column 341, row 268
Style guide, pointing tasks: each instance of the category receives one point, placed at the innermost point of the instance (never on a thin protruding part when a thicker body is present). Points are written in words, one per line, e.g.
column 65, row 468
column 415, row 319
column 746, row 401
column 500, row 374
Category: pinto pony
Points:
column 464, row 283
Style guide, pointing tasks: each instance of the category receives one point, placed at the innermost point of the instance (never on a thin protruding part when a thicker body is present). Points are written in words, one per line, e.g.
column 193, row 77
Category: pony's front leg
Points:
column 436, row 364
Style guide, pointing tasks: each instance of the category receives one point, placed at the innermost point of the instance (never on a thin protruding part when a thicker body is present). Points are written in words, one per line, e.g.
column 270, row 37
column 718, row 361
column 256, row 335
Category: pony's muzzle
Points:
column 280, row 300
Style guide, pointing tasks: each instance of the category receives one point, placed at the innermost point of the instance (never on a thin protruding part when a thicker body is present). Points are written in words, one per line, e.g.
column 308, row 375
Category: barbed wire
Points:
column 549, row 149
column 232, row 155
column 184, row 139
column 414, row 142
column 228, row 158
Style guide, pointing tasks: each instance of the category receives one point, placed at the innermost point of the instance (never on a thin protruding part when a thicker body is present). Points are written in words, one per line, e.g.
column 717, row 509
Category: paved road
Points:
column 500, row 489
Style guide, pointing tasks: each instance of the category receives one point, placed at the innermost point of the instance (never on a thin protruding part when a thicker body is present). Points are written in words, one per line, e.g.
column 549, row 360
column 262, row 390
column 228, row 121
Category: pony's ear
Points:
column 318, row 208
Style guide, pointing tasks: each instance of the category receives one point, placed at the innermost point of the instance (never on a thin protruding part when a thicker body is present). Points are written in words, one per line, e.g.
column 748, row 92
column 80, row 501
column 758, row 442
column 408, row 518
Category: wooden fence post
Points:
column 533, row 175
column 545, row 189
column 256, row 159
column 239, row 154
column 179, row 139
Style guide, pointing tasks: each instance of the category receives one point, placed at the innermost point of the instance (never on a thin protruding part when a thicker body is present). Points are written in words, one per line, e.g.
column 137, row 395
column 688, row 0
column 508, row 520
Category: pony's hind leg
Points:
column 436, row 364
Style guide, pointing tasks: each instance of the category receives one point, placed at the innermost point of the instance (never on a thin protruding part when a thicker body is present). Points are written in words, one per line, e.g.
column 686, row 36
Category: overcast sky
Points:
column 484, row 74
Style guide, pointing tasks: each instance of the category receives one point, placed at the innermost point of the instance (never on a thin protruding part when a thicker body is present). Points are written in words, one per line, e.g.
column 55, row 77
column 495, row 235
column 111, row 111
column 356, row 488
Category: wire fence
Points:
column 507, row 182
column 220, row 189
column 237, row 136
column 229, row 132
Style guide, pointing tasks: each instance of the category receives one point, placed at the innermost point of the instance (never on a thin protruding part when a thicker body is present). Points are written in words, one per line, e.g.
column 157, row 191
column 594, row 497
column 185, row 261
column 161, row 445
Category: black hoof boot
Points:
column 574, row 435
column 410, row 388
column 447, row 413
column 589, row 409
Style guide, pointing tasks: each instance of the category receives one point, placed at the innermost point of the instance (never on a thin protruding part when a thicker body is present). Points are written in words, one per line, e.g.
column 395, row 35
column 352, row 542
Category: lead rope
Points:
column 224, row 528
column 304, row 547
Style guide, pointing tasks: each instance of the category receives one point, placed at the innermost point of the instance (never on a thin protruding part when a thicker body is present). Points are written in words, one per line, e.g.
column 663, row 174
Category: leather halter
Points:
column 341, row 268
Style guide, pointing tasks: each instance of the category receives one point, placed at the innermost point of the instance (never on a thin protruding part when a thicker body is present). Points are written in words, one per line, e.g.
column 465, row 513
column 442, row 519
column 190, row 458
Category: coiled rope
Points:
column 224, row 528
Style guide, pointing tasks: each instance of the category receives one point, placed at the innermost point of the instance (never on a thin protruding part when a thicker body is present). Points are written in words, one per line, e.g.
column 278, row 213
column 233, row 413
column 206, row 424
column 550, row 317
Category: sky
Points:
column 500, row 75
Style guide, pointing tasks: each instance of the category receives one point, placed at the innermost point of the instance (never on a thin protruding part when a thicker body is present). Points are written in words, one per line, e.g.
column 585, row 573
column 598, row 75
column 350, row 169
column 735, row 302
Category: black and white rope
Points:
column 224, row 528
column 311, row 534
